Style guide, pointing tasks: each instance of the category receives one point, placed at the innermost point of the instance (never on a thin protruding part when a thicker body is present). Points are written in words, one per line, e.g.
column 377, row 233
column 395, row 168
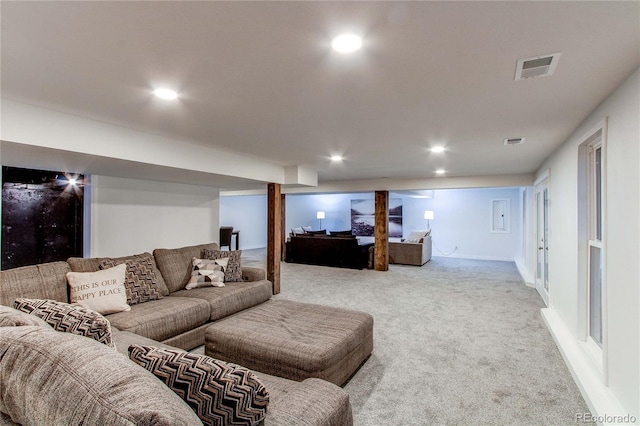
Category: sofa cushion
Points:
column 51, row 378
column 101, row 291
column 44, row 281
column 141, row 281
column 312, row 402
column 348, row 233
column 10, row 317
column 164, row 318
column 233, row 271
column 220, row 393
column 232, row 298
column 124, row 339
column 92, row 264
column 319, row 232
column 68, row 318
column 175, row 264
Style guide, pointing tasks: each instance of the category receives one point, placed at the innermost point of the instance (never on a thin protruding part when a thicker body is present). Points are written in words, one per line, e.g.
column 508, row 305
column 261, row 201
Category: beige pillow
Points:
column 417, row 236
column 233, row 271
column 102, row 291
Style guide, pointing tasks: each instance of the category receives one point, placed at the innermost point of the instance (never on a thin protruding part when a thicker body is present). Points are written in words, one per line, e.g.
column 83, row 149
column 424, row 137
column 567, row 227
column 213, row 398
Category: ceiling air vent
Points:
column 538, row 66
column 514, row 141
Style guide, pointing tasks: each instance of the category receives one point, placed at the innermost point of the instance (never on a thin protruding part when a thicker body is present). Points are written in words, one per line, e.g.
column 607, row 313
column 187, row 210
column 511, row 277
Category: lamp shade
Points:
column 428, row 214
column 320, row 215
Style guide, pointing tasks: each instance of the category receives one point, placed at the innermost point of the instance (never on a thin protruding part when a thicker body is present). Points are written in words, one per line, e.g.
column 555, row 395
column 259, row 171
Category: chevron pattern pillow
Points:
column 141, row 281
column 220, row 393
column 233, row 271
column 67, row 318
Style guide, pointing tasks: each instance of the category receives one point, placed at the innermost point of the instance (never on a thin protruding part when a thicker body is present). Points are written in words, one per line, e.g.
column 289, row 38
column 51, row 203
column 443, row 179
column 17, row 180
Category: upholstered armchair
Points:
column 410, row 253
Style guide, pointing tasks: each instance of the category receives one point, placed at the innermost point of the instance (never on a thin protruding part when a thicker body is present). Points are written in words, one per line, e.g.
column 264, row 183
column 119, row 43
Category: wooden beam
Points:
column 274, row 235
column 283, row 225
column 381, row 231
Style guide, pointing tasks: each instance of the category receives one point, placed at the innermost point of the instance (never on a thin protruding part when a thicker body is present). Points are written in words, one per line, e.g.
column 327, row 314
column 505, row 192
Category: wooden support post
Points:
column 274, row 235
column 283, row 225
column 381, row 231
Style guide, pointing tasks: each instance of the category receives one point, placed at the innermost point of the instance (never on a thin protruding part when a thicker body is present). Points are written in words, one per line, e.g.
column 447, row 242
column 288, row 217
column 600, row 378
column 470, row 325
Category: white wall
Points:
column 622, row 248
column 462, row 219
column 131, row 216
column 248, row 214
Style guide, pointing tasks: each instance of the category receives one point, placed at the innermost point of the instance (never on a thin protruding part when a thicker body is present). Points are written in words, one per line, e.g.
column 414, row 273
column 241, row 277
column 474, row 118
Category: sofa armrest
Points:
column 253, row 274
column 426, row 249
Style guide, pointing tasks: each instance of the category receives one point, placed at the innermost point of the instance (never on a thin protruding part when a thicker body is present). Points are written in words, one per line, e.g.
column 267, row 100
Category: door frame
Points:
column 541, row 185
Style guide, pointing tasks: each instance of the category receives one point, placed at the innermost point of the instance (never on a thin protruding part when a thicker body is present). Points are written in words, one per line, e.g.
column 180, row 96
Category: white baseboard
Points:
column 528, row 279
column 602, row 403
column 472, row 257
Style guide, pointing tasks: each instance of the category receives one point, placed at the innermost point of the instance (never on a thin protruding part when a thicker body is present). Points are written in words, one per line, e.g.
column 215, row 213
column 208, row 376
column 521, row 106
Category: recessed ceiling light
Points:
column 336, row 158
column 437, row 149
column 346, row 43
column 440, row 171
column 165, row 94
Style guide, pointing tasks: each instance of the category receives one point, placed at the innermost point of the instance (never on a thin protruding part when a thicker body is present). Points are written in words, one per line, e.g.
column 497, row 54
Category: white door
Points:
column 542, row 240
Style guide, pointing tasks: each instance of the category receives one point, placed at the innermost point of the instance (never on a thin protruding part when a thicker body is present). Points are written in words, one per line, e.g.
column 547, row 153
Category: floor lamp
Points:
column 428, row 215
column 320, row 216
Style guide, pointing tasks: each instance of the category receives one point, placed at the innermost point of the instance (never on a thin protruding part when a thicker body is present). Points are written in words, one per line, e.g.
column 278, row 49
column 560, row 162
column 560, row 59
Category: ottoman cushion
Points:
column 294, row 340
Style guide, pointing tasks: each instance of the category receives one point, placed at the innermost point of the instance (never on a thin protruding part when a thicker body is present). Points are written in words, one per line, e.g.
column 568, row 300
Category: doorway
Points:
column 542, row 237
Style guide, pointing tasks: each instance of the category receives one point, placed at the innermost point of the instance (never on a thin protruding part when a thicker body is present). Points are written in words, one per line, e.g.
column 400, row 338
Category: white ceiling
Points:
column 260, row 79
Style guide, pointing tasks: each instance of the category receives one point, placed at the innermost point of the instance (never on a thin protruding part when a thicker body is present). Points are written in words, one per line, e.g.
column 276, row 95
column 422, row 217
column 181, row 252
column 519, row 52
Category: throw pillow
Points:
column 68, row 318
column 220, row 393
column 307, row 228
column 141, row 283
column 297, row 231
column 233, row 271
column 207, row 273
column 101, row 291
column 416, row 236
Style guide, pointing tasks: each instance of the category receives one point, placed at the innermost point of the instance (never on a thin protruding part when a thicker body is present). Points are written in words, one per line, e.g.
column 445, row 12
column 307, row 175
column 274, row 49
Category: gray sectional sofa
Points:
column 30, row 356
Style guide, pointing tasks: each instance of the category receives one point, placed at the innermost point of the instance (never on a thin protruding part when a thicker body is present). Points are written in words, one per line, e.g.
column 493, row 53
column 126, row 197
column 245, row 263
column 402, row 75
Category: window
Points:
column 595, row 247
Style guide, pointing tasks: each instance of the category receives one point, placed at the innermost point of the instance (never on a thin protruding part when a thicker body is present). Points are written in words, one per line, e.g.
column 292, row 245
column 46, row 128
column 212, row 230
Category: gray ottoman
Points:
column 294, row 340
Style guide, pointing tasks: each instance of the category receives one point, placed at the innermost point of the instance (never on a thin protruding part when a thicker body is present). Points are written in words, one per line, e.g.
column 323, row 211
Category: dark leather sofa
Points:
column 327, row 250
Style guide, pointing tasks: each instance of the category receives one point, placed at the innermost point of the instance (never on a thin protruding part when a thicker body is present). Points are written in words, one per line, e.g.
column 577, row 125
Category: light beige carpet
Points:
column 456, row 342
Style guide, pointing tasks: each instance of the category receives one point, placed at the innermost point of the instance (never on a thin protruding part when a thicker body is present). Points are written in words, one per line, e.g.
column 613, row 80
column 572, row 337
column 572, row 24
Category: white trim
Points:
column 595, row 137
column 544, row 175
column 541, row 185
column 599, row 398
column 479, row 257
column 529, row 280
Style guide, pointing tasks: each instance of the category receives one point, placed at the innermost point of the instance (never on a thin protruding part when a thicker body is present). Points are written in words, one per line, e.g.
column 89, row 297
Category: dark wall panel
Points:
column 42, row 216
